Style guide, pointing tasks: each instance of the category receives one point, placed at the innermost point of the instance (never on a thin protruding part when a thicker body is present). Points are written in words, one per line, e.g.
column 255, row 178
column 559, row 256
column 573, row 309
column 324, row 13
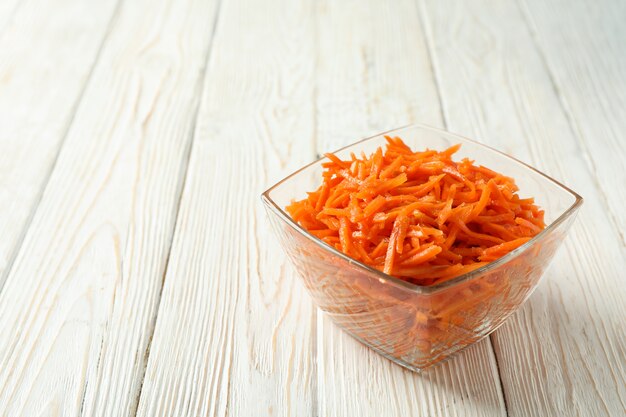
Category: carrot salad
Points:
column 420, row 216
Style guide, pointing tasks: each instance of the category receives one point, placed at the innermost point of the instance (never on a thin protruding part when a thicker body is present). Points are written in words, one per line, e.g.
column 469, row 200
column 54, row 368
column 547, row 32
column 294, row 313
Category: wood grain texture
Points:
column 77, row 310
column 234, row 335
column 46, row 55
column 354, row 380
column 583, row 45
column 102, row 164
column 374, row 74
column 564, row 353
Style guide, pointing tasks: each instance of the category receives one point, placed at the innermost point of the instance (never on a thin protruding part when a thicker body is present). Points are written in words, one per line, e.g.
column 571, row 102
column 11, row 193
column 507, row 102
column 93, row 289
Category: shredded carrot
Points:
column 420, row 216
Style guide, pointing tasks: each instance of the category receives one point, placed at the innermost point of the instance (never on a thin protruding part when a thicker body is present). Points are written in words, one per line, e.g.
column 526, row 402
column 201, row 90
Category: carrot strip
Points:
column 345, row 236
column 403, row 223
column 336, row 160
column 423, row 256
column 495, row 252
column 374, row 206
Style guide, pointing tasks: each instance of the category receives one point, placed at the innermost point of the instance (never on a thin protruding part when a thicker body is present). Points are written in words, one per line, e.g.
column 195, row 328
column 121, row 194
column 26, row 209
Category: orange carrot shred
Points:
column 420, row 216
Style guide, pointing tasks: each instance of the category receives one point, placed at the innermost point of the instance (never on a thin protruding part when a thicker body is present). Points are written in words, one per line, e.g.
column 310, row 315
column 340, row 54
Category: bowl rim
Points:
column 422, row 289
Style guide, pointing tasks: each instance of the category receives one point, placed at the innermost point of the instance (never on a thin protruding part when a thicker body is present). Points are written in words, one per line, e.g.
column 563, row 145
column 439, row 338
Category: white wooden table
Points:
column 138, row 272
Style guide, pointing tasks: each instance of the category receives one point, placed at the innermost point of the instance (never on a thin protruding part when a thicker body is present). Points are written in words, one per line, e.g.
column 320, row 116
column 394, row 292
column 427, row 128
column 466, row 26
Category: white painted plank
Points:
column 374, row 75
column 8, row 9
column 234, row 334
column 46, row 55
column 77, row 310
column 354, row 380
column 584, row 46
column 564, row 353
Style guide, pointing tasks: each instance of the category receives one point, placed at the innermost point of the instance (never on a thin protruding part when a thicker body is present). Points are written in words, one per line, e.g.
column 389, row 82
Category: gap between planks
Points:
column 178, row 178
column 428, row 36
column 543, row 70
column 590, row 167
column 20, row 240
column 353, row 86
column 181, row 186
column 66, row 128
column 315, row 317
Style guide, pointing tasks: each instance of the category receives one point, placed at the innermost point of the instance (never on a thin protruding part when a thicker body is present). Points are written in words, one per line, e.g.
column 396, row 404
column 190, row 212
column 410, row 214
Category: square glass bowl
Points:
column 418, row 326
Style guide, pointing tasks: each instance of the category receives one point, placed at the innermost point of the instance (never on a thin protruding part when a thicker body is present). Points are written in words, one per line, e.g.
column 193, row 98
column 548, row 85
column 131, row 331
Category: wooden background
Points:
column 138, row 272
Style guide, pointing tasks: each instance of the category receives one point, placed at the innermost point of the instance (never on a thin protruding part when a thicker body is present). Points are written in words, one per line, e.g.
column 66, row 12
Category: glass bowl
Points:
column 420, row 326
